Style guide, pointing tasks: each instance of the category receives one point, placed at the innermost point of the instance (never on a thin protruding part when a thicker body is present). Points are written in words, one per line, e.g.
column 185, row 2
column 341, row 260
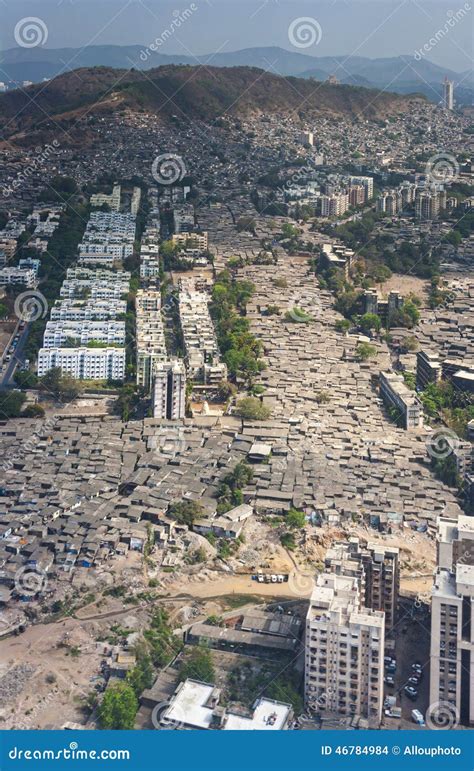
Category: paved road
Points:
column 8, row 371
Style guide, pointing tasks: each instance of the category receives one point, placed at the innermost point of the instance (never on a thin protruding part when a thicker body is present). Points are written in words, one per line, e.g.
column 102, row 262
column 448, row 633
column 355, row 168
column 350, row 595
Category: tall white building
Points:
column 448, row 94
column 452, row 620
column 150, row 335
column 169, row 390
column 344, row 651
column 334, row 205
column 366, row 182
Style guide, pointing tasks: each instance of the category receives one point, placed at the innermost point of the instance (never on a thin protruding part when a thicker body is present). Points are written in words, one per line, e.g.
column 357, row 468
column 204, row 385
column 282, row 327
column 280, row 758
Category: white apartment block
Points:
column 366, row 182
column 88, row 284
column 150, row 254
column 80, row 333
column 149, row 267
column 135, row 201
column 390, row 202
column 306, row 138
column 198, row 332
column 111, row 200
column 398, row 397
column 377, row 568
column 78, row 310
column 183, row 218
column 150, row 335
column 84, row 363
column 452, row 620
column 108, row 236
column 16, row 275
column 192, row 240
column 169, row 390
column 344, row 651
column 334, row 205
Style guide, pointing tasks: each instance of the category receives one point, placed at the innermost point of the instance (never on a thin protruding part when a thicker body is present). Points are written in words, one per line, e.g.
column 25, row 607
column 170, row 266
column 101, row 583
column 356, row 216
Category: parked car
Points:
column 411, row 692
column 389, row 680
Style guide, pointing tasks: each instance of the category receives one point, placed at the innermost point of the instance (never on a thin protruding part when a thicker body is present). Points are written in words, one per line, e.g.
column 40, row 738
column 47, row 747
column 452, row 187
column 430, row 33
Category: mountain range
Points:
column 184, row 93
column 401, row 74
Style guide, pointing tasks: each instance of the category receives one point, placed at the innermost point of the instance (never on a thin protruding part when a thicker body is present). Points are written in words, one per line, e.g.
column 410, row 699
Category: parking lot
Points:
column 412, row 644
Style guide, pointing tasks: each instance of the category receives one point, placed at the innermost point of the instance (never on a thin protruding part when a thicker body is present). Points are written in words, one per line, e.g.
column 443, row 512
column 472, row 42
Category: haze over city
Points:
column 385, row 28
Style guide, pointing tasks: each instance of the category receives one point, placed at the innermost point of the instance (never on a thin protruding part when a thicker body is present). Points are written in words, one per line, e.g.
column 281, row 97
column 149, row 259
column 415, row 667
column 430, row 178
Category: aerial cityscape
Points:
column 236, row 371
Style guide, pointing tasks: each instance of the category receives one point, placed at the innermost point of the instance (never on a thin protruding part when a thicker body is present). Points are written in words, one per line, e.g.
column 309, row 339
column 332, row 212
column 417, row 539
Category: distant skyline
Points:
column 369, row 28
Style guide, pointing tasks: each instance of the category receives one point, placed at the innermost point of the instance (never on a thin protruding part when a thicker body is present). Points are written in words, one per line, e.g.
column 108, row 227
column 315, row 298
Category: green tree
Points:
column 118, row 708
column 251, row 408
column 370, row 321
column 33, row 411
column 25, row 378
column 295, row 519
column 61, row 386
column 198, row 665
column 343, row 325
column 11, row 403
column 365, row 351
column 126, row 401
column 186, row 512
column 141, row 676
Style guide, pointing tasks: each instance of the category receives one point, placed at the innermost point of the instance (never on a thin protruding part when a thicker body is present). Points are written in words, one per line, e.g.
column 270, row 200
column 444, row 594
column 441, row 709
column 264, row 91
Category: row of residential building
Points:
column 86, row 335
column 203, row 360
column 109, row 237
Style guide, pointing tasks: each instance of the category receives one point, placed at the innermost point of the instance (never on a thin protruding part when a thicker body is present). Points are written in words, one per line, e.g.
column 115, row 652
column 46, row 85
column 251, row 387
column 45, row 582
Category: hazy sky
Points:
column 361, row 27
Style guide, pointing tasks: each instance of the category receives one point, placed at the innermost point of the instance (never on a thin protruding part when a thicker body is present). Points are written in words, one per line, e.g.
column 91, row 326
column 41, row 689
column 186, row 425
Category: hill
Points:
column 188, row 93
column 400, row 74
